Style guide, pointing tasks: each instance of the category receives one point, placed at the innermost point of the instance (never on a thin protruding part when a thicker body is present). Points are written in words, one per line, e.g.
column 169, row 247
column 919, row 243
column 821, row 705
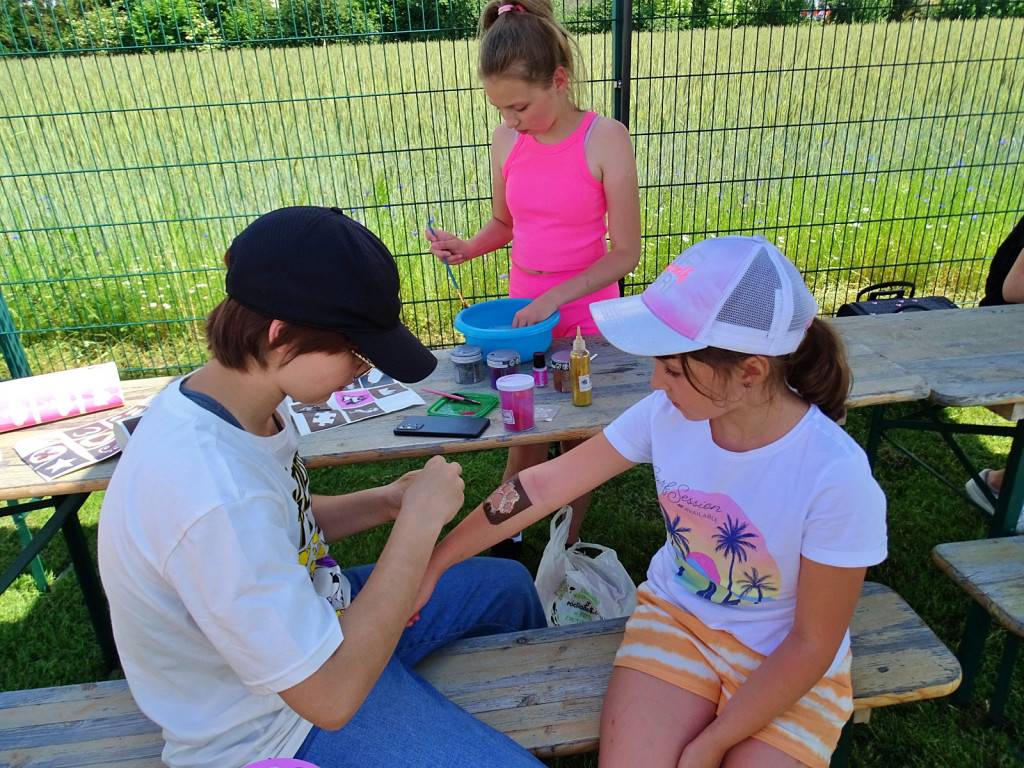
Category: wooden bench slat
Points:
column 989, row 571
column 896, row 657
column 542, row 687
column 115, row 751
column 65, row 704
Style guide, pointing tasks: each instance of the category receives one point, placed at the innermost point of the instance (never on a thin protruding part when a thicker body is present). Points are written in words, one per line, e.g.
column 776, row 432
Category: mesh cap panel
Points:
column 752, row 302
column 732, row 292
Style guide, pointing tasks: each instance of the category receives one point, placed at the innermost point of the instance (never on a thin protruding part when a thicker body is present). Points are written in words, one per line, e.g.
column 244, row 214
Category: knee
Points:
column 519, row 590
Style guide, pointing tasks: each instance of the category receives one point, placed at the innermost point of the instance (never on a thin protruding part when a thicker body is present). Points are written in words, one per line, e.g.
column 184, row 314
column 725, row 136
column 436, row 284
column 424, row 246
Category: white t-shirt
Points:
column 206, row 550
column 738, row 523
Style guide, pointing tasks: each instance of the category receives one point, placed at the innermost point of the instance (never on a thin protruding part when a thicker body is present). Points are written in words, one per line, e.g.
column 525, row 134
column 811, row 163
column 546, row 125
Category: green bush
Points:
column 100, row 29
column 171, row 23
column 31, row 26
column 430, row 19
column 976, row 9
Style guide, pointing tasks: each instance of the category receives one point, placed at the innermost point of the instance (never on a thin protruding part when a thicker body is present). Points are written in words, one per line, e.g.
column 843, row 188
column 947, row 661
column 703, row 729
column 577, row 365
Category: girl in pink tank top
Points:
column 565, row 184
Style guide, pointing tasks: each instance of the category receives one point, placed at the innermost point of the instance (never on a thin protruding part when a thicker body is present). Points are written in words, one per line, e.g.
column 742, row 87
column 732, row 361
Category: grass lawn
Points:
column 47, row 639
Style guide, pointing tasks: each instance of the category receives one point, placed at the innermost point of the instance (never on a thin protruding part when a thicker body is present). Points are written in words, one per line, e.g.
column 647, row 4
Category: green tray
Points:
column 445, row 407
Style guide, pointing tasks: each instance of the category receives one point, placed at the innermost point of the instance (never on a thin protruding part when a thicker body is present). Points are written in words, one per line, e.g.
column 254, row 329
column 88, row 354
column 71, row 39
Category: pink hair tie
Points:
column 510, row 7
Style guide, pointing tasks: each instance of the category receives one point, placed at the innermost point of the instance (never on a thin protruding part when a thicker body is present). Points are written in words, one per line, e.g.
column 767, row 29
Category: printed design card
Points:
column 371, row 395
column 49, row 397
column 54, row 454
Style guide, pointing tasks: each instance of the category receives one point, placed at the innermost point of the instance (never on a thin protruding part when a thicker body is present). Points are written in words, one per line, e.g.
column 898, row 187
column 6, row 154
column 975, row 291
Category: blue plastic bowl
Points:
column 489, row 324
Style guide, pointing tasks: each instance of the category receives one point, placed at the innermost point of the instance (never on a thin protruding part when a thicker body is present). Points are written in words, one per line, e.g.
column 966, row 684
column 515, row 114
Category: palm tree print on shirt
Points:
column 709, row 534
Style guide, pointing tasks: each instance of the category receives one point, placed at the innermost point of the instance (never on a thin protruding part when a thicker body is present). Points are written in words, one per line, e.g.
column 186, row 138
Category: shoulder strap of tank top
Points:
column 593, row 118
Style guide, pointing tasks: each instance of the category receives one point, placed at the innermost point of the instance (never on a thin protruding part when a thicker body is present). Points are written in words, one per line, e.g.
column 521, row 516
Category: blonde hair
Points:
column 524, row 40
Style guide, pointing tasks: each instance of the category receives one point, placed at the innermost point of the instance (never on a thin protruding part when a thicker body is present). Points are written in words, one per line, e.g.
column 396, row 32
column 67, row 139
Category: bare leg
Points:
column 754, row 752
column 646, row 722
column 522, row 456
column 995, row 479
column 580, row 505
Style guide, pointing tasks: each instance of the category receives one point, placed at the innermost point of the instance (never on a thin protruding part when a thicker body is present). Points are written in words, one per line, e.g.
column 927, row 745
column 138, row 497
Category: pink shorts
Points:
column 526, row 285
column 670, row 644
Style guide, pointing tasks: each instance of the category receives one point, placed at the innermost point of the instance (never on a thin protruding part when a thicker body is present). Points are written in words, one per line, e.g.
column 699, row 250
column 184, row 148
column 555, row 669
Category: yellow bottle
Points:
column 579, row 371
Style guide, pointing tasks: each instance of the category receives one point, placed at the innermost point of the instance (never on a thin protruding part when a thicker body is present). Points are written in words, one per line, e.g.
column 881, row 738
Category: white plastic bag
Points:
column 575, row 587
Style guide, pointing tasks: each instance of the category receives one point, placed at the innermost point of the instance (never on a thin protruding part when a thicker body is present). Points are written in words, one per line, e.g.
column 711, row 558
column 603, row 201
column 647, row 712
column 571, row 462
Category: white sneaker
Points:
column 978, row 497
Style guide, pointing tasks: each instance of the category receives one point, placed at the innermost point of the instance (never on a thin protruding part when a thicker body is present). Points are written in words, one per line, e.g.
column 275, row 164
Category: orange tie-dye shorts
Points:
column 672, row 645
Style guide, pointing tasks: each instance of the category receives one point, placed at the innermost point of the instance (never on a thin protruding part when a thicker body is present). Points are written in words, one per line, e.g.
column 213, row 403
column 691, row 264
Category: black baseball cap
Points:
column 315, row 266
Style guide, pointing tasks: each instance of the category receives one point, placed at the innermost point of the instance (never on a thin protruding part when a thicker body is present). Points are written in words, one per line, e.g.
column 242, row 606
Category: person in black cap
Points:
column 238, row 634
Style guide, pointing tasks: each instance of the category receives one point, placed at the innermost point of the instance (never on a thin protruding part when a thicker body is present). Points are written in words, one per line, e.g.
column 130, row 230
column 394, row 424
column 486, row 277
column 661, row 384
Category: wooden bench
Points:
column 989, row 571
column 544, row 688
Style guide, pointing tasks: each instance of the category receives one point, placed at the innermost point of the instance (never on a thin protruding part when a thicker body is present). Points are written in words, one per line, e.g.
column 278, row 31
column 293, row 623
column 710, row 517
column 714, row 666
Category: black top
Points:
column 1002, row 262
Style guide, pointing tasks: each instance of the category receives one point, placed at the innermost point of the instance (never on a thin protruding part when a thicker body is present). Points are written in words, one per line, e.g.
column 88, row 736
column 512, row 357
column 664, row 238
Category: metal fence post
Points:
column 622, row 58
column 10, row 344
column 17, row 363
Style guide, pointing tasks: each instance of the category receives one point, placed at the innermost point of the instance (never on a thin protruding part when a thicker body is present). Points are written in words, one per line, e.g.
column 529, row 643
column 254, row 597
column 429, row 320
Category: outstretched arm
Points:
column 523, row 499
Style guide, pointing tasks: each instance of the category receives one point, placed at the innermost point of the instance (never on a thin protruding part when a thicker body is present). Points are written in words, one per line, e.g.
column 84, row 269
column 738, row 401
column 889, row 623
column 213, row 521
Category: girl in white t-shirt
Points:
column 738, row 651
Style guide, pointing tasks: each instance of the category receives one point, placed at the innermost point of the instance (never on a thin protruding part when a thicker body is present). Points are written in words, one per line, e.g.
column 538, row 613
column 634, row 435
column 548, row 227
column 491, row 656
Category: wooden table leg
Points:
column 972, row 646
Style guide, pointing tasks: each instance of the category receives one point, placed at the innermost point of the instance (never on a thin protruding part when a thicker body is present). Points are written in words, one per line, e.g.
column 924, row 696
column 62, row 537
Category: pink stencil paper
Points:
column 61, row 395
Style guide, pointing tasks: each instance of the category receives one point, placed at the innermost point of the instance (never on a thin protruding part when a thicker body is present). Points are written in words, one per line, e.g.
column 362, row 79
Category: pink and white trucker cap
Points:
column 734, row 292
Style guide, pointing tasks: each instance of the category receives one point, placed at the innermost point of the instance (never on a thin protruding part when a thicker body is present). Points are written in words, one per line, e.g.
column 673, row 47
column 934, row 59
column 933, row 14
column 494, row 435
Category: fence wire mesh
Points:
column 138, row 136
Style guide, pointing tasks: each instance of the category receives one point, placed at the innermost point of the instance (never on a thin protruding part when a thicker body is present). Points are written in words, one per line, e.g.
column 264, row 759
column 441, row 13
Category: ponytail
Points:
column 818, row 370
column 523, row 39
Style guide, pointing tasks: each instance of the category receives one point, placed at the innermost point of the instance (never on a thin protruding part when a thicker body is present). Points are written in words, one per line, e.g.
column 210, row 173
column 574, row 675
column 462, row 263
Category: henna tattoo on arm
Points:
column 507, row 501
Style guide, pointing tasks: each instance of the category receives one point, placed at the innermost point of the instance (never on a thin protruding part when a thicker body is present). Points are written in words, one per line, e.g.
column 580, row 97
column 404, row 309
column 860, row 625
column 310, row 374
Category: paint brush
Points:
column 451, row 275
column 457, row 398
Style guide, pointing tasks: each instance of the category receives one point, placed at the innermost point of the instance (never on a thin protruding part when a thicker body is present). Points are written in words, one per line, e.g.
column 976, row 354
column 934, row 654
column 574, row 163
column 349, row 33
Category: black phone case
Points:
column 442, row 426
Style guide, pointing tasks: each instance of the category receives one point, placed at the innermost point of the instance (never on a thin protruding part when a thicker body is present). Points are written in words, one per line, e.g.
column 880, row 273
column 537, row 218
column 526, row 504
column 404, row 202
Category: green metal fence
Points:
column 137, row 136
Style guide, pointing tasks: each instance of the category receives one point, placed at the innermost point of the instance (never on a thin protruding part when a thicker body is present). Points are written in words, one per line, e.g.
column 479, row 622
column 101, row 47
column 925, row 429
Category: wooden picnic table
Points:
column 620, row 380
column 967, row 357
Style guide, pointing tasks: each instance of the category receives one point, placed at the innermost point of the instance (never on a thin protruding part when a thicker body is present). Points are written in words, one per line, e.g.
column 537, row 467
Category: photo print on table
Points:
column 373, row 394
column 53, row 454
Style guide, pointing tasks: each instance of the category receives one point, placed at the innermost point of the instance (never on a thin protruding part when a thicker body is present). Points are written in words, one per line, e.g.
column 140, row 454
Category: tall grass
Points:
column 868, row 152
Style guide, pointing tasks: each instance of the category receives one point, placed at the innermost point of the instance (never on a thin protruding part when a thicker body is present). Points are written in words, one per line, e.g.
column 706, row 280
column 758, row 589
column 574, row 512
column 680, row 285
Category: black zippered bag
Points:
column 891, row 297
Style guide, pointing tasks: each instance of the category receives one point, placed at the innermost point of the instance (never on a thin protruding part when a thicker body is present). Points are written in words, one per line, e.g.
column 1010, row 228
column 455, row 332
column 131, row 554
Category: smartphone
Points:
column 443, row 426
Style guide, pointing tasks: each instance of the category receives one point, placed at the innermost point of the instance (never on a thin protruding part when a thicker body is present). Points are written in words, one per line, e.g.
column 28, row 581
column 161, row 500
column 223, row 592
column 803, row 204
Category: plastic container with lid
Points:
column 560, row 378
column 468, row 360
column 502, row 362
column 516, row 393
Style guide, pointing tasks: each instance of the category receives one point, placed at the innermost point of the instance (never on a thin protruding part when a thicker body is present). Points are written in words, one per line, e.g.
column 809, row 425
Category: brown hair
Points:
column 817, row 370
column 526, row 42
column 238, row 337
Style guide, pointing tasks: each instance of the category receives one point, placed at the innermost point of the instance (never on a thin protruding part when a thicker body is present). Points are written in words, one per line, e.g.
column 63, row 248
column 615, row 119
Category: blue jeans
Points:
column 405, row 721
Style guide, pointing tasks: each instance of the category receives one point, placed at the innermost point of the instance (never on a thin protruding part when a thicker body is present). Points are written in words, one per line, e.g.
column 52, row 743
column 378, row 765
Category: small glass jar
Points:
column 502, row 362
column 540, row 370
column 560, row 378
column 468, row 360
